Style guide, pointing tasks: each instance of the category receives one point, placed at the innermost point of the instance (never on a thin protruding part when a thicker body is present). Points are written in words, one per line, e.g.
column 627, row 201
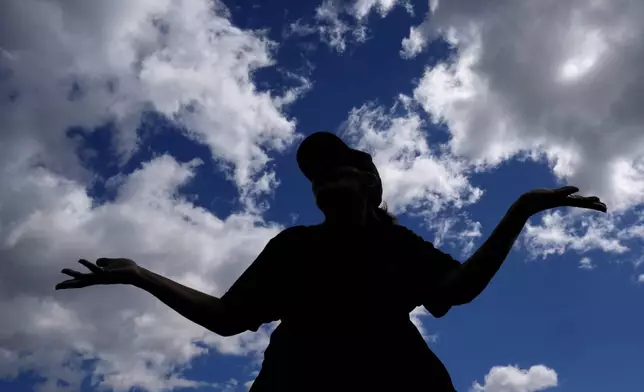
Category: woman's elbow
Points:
column 462, row 299
column 460, row 295
column 226, row 331
column 225, row 328
column 224, row 323
column 461, row 290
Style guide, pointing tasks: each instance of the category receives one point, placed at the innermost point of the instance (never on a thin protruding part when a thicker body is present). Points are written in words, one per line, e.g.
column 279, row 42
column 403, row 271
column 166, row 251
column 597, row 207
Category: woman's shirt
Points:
column 344, row 298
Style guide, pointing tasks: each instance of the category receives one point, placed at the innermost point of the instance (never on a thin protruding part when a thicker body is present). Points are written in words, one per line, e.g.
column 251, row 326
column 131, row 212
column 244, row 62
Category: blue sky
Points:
column 178, row 151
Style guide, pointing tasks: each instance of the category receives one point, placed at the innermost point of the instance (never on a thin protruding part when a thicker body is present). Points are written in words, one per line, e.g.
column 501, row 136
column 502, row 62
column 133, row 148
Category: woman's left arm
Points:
column 467, row 282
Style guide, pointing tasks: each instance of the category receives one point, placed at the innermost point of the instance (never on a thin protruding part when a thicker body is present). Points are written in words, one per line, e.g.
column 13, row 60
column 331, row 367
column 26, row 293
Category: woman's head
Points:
column 345, row 181
column 343, row 192
column 346, row 198
column 323, row 156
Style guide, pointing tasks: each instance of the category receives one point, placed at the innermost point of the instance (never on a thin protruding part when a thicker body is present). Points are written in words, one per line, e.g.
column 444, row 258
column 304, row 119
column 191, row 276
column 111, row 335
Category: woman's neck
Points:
column 365, row 218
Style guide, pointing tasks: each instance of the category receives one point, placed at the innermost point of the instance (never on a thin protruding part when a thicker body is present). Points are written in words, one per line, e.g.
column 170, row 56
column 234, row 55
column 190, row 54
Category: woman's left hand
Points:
column 539, row 200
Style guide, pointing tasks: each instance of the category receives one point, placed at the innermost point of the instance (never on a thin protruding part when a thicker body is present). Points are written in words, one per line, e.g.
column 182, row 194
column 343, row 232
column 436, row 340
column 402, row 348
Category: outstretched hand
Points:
column 539, row 200
column 105, row 271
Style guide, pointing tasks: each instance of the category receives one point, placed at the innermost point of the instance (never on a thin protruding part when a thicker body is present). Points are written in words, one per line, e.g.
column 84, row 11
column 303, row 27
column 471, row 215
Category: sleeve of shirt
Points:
column 428, row 268
column 256, row 296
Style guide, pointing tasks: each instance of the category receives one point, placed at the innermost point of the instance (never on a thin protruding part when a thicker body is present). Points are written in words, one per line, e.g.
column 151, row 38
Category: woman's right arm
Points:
column 200, row 308
column 255, row 298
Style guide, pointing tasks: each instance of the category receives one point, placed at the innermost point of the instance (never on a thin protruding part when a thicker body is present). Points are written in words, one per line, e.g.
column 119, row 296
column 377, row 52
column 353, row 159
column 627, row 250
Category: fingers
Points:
column 592, row 199
column 568, row 190
column 72, row 273
column 102, row 262
column 90, row 266
column 72, row 284
column 80, row 279
column 591, row 203
column 600, row 207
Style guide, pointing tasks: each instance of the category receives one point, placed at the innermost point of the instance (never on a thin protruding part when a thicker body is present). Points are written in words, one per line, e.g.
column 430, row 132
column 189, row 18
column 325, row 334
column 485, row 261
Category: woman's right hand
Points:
column 105, row 271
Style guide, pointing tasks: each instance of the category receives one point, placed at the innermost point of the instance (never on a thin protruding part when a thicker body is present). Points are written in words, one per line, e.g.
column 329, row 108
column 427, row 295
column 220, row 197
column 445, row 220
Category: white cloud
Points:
column 414, row 176
column 181, row 58
column 228, row 386
column 514, row 379
column 249, row 383
column 329, row 25
column 586, row 263
column 118, row 59
column 558, row 233
column 339, row 23
column 136, row 339
column 419, row 36
column 530, row 88
column 417, row 179
column 362, row 8
column 416, row 317
column 414, row 43
column 458, row 230
column 640, row 278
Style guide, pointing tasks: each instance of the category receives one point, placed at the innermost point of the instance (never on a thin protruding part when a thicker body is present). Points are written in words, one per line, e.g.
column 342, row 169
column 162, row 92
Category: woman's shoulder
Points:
column 297, row 232
column 304, row 229
column 300, row 232
column 294, row 238
column 403, row 232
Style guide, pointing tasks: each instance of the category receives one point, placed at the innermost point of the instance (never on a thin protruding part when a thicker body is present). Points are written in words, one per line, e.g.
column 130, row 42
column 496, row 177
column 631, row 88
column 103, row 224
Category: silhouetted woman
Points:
column 343, row 289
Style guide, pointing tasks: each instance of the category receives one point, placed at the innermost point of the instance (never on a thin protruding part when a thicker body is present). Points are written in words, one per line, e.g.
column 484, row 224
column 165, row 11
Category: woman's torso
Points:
column 345, row 317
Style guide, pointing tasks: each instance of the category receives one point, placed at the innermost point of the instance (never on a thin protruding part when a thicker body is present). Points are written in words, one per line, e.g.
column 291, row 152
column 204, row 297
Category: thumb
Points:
column 103, row 262
column 567, row 190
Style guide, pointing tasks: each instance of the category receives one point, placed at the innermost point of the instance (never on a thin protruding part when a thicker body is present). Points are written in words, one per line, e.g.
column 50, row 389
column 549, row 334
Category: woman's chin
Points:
column 339, row 208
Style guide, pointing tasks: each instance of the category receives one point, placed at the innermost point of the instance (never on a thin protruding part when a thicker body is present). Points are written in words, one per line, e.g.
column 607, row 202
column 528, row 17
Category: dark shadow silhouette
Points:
column 343, row 289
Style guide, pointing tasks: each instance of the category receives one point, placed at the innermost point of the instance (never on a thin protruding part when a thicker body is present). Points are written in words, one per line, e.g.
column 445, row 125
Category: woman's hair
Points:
column 385, row 216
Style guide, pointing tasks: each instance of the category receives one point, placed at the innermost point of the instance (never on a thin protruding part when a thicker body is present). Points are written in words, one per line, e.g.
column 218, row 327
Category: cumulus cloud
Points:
column 135, row 340
column 84, row 65
column 417, row 179
column 76, row 64
column 339, row 23
column 558, row 85
column 514, row 379
column 532, row 88
column 556, row 233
